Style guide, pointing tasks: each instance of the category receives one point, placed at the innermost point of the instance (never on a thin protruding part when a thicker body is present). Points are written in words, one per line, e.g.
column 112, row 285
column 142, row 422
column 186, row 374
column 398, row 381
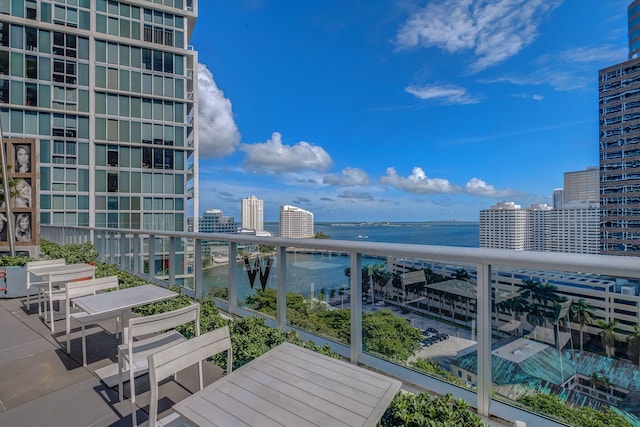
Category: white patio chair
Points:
column 170, row 361
column 147, row 335
column 33, row 269
column 83, row 288
column 60, row 279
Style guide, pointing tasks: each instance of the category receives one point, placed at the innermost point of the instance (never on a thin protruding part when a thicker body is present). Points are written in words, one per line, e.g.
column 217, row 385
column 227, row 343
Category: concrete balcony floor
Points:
column 40, row 384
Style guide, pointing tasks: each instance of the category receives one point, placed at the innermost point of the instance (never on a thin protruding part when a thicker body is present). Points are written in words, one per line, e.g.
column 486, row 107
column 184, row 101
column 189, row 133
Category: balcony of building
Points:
column 487, row 345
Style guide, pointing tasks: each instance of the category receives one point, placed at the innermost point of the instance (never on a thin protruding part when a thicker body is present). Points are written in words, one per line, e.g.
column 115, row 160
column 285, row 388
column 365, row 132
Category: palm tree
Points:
column 608, row 335
column 581, row 313
column 600, row 382
column 460, row 274
column 633, row 343
column 530, row 289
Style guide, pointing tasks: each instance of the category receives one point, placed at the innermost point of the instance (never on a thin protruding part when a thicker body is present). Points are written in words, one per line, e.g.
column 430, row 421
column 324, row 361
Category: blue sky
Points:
column 399, row 110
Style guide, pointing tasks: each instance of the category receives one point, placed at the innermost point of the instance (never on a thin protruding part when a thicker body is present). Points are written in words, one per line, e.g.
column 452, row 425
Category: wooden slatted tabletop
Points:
column 292, row 386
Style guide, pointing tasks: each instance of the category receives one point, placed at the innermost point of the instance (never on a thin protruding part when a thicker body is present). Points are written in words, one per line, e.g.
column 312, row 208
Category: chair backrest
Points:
column 163, row 321
column 77, row 273
column 90, row 287
column 29, row 266
column 45, row 263
column 167, row 362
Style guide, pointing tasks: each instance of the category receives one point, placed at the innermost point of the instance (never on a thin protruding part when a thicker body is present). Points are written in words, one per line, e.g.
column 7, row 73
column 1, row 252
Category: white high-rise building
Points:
column 504, row 226
column 252, row 211
column 295, row 222
column 573, row 230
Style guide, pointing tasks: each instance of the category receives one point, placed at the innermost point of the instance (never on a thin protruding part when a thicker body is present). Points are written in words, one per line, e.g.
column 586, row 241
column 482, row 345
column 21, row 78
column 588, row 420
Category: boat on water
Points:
column 360, row 236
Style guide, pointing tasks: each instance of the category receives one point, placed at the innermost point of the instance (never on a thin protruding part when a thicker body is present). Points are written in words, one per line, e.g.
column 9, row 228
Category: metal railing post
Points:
column 356, row 306
column 233, row 280
column 484, row 339
column 197, row 267
column 281, row 286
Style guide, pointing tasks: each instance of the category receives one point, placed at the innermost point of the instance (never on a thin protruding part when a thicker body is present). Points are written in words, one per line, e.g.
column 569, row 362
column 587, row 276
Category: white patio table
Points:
column 292, row 386
column 122, row 300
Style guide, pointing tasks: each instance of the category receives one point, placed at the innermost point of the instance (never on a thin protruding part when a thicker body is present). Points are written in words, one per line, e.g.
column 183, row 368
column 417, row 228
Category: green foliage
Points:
column 320, row 235
column 14, row 261
column 390, row 335
column 74, row 253
column 222, row 293
column 582, row 417
column 266, row 249
column 422, row 410
column 384, row 333
column 433, row 368
column 251, row 337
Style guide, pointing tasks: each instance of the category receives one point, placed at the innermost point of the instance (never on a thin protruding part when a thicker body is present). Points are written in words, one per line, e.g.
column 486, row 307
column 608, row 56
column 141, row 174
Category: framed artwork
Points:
column 23, row 227
column 22, row 209
column 22, row 158
column 21, row 196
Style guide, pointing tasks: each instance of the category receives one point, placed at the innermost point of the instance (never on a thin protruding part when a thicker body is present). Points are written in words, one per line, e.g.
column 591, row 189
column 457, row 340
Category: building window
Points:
column 112, row 182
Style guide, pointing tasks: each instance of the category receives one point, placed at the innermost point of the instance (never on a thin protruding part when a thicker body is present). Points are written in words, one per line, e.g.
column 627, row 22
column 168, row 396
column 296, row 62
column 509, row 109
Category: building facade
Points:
column 619, row 111
column 295, row 222
column 540, row 228
column 252, row 211
column 108, row 90
column 582, row 188
column 503, row 226
column 214, row 221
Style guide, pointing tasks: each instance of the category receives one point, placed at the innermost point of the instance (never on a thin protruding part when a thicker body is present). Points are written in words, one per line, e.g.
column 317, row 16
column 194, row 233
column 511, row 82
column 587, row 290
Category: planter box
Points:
column 16, row 282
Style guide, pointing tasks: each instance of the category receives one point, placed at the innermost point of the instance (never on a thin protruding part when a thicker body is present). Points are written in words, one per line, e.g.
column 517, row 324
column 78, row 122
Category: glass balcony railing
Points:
column 488, row 326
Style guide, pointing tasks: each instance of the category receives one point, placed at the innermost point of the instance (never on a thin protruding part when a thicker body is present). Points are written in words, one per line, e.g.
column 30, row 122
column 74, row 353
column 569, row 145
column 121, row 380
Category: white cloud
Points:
column 535, row 97
column 218, row 132
column 418, row 182
column 348, row 177
column 478, row 187
column 448, row 94
column 570, row 69
column 493, row 30
column 274, row 157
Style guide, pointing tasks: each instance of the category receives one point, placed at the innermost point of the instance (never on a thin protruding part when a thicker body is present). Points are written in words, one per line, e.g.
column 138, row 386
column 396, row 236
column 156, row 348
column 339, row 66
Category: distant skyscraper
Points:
column 252, row 211
column 558, row 195
column 619, row 95
column 582, row 187
column 295, row 222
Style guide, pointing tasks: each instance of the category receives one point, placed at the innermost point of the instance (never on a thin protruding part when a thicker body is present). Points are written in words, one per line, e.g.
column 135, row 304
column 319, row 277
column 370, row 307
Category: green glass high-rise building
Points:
column 108, row 89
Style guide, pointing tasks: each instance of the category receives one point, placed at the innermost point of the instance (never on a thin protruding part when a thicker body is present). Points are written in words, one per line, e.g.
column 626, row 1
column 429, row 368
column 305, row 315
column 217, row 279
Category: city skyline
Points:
column 376, row 114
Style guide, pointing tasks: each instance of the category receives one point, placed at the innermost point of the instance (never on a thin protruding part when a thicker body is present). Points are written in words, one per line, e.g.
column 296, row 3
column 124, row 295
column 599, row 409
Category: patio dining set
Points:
column 287, row 386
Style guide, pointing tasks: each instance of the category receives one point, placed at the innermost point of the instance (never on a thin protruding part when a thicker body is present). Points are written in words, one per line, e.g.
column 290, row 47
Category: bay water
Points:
column 307, row 274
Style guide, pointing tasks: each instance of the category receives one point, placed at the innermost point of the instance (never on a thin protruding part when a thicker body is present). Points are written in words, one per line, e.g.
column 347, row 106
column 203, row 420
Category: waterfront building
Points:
column 503, row 226
column 572, row 225
column 108, row 90
column 295, row 222
column 214, row 221
column 619, row 96
column 252, row 211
